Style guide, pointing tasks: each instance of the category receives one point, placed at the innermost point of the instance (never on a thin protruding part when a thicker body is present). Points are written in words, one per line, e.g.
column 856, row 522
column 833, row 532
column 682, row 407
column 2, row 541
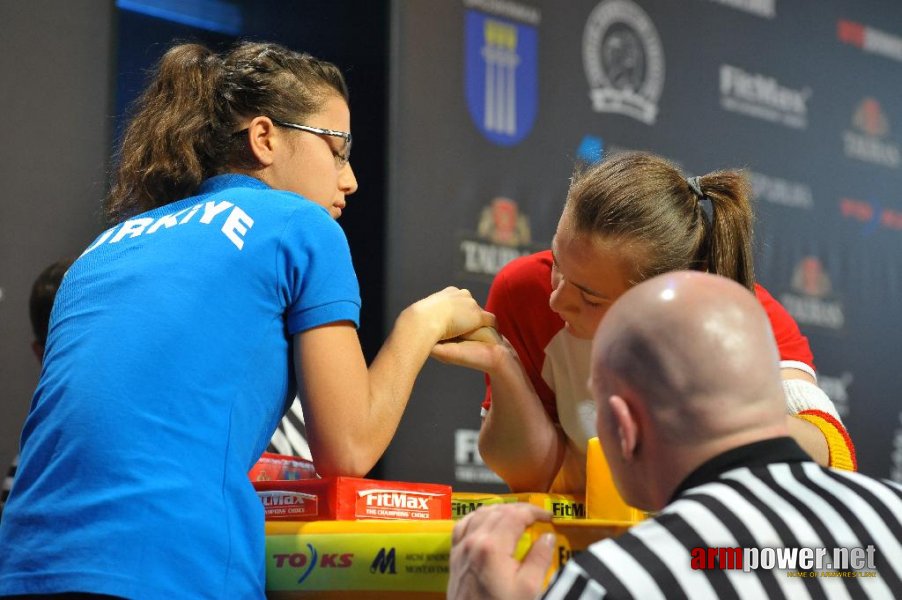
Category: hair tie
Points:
column 696, row 187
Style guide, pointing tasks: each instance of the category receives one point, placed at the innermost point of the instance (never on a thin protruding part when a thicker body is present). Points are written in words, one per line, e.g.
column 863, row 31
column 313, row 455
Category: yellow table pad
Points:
column 390, row 559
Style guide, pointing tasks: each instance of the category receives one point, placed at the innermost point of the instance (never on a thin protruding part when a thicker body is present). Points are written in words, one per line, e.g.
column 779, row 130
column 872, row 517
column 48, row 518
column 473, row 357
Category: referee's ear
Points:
column 626, row 425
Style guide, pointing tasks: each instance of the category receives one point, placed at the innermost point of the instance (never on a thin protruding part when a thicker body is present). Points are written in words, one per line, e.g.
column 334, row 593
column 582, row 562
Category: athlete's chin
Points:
column 577, row 332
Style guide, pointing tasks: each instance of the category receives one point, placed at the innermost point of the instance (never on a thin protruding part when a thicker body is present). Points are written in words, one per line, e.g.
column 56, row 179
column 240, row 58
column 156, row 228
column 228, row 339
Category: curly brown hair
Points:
column 183, row 124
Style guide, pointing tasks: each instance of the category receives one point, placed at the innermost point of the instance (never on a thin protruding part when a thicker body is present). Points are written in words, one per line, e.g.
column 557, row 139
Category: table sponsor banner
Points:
column 393, row 556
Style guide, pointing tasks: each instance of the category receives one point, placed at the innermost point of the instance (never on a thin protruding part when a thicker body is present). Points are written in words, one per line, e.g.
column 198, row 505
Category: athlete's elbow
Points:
column 344, row 462
column 516, row 472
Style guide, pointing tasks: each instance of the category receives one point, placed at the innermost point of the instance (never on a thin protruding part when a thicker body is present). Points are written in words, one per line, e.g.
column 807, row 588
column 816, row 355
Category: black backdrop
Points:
column 495, row 101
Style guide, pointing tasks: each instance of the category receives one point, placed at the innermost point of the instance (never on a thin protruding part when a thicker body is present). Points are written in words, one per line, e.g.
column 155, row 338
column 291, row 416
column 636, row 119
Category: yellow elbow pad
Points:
column 842, row 451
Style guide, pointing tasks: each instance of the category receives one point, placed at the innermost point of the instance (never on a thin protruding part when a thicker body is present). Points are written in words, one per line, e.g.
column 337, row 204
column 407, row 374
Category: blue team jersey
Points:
column 168, row 366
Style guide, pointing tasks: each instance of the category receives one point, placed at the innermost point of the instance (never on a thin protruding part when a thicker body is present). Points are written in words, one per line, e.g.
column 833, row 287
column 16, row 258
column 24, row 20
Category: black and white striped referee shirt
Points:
column 290, row 436
column 739, row 527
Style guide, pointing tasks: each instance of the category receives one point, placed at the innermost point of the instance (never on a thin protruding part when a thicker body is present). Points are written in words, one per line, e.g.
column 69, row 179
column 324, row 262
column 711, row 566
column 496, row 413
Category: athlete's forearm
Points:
column 810, row 438
column 518, row 440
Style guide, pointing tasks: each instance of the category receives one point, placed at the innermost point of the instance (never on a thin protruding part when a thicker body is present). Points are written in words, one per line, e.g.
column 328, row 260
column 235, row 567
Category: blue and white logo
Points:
column 501, row 76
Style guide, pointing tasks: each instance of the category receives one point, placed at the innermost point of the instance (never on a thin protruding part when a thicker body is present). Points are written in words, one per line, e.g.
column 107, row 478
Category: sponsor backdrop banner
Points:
column 495, row 101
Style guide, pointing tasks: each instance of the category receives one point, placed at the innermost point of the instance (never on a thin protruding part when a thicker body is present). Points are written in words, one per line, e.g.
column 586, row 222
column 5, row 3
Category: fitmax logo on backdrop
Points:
column 763, row 97
column 624, row 60
column 501, row 68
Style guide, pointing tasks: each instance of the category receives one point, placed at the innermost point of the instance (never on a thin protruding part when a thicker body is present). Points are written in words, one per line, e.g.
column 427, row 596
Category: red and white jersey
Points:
column 557, row 363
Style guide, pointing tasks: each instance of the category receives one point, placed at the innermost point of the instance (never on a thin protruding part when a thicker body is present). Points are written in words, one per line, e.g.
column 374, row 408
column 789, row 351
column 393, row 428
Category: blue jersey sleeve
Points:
column 320, row 285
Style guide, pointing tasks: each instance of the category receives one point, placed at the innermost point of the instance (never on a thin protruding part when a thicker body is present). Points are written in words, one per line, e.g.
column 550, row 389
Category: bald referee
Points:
column 691, row 417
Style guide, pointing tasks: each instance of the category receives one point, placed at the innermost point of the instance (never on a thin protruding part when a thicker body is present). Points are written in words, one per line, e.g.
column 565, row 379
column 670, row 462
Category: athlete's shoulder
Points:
column 764, row 296
column 526, row 271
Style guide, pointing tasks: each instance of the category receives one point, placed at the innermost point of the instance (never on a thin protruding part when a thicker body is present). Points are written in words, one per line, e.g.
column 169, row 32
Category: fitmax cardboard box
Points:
column 351, row 498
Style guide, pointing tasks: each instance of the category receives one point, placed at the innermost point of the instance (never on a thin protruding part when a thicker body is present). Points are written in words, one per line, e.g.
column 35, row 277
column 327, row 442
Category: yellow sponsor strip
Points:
column 392, row 556
column 400, row 561
column 561, row 506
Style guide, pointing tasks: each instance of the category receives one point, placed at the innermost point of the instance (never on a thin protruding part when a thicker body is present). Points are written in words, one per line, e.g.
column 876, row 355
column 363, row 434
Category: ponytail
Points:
column 643, row 203
column 729, row 236
column 168, row 147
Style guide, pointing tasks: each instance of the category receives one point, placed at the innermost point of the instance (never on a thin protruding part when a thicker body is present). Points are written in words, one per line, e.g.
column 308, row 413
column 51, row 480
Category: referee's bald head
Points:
column 684, row 367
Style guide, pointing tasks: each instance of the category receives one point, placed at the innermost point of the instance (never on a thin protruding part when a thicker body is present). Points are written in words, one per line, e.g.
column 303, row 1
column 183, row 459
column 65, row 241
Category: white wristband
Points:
column 798, row 365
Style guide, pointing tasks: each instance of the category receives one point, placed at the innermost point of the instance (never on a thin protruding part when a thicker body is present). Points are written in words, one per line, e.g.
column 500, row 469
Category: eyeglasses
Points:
column 342, row 156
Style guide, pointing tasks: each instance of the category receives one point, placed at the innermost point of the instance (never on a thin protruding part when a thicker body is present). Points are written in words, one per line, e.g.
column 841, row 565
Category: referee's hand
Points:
column 482, row 554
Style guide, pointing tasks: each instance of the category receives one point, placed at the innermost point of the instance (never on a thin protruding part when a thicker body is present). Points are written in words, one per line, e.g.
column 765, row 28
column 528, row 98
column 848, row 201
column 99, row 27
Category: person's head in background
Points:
column 633, row 216
column 684, row 367
column 262, row 110
column 40, row 303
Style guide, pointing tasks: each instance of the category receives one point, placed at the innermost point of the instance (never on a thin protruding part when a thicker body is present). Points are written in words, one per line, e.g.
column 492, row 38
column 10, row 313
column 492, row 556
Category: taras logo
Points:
column 624, row 60
column 384, row 561
column 866, row 144
column 502, row 73
column 870, row 119
column 812, row 301
column 810, row 279
column 502, row 235
column 502, row 223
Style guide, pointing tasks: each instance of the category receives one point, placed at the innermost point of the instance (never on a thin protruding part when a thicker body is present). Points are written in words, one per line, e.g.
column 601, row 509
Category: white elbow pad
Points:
column 803, row 395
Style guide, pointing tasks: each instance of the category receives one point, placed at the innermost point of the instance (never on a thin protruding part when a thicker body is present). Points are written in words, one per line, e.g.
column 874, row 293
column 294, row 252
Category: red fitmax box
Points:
column 281, row 466
column 352, row 498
